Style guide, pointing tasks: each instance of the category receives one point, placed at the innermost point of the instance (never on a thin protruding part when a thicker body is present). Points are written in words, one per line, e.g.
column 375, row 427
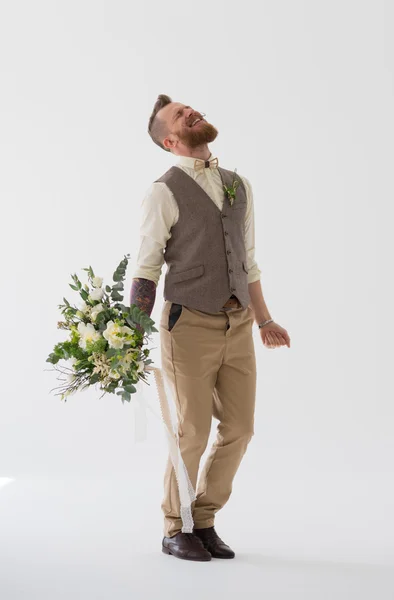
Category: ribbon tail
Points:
column 187, row 493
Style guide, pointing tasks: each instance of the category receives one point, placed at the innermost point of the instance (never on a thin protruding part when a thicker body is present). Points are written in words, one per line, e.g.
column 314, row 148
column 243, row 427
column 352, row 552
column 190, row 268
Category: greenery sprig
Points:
column 232, row 189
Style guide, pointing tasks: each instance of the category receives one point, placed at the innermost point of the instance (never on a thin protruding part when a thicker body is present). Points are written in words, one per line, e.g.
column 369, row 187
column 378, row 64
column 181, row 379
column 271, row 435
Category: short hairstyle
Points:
column 157, row 128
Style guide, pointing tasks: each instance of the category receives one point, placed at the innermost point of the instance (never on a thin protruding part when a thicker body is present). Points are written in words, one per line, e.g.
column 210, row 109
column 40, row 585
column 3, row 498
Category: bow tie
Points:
column 201, row 164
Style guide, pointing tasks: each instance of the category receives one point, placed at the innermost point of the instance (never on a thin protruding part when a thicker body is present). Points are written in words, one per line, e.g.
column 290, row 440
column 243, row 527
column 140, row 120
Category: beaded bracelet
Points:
column 265, row 323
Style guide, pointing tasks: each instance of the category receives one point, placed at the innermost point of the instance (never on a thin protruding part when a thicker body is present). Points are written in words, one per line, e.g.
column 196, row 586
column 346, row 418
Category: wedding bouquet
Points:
column 104, row 347
column 105, row 339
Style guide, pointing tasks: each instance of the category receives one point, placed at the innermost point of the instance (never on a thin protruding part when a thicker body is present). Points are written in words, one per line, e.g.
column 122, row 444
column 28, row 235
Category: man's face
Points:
column 187, row 125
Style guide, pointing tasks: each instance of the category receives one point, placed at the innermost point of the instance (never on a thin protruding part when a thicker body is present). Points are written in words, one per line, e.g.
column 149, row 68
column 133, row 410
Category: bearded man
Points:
column 212, row 298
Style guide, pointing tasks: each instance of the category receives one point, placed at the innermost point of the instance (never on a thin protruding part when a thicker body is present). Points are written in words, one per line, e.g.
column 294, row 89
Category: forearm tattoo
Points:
column 143, row 294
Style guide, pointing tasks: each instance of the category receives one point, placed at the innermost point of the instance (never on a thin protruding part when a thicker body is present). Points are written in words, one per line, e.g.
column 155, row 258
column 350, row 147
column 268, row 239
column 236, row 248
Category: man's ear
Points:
column 168, row 143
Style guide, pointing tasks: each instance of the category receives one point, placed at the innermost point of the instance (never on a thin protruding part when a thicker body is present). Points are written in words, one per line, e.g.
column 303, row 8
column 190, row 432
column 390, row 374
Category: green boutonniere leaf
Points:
column 231, row 190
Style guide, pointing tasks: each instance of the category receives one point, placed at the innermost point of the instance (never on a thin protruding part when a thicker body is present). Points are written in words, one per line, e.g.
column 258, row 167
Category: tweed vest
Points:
column 205, row 254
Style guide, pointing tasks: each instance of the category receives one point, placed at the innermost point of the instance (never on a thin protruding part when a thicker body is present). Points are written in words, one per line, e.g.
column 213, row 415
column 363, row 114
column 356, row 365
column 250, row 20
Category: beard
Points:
column 200, row 134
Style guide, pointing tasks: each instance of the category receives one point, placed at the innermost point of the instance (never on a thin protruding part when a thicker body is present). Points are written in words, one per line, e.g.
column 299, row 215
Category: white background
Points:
column 302, row 96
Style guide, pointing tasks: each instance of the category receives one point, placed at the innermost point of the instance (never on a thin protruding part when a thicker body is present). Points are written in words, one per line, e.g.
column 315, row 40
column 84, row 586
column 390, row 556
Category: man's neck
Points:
column 202, row 152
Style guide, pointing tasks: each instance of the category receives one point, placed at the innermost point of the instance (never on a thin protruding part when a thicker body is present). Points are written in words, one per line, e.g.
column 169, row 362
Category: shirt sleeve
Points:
column 254, row 272
column 158, row 215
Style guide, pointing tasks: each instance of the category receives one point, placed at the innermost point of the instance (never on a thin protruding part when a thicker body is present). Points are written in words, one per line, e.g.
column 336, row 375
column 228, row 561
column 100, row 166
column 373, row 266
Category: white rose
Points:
column 97, row 282
column 82, row 306
column 95, row 311
column 110, row 335
column 88, row 334
column 141, row 366
column 96, row 294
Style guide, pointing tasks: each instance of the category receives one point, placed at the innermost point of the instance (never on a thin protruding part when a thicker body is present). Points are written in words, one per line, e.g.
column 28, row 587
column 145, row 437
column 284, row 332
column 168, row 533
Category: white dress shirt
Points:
column 160, row 212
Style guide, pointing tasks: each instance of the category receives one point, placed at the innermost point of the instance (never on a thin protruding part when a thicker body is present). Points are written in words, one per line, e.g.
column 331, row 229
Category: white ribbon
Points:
column 187, row 493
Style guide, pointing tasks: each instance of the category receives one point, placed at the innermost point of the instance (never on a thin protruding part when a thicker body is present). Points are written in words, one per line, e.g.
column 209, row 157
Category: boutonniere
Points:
column 232, row 189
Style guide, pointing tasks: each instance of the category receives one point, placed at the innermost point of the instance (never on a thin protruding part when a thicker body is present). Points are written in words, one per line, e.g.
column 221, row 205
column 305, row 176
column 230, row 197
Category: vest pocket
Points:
column 245, row 268
column 188, row 274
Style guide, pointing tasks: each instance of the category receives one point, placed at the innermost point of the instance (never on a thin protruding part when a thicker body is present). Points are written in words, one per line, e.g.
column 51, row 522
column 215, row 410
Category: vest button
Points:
column 226, row 233
column 230, row 270
column 228, row 251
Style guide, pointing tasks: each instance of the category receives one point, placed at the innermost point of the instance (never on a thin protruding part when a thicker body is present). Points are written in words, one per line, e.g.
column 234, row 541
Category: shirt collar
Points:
column 188, row 161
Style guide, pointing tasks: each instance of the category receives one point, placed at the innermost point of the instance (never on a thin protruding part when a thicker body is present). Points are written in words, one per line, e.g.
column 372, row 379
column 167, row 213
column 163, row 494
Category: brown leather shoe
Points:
column 212, row 542
column 185, row 545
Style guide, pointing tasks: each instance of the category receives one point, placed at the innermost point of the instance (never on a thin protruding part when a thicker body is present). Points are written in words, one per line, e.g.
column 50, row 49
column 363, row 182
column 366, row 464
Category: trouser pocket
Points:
column 174, row 314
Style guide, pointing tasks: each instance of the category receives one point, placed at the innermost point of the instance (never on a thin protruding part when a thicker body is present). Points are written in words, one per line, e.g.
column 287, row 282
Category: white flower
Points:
column 114, row 374
column 141, row 366
column 97, row 282
column 95, row 311
column 84, row 310
column 111, row 336
column 101, row 364
column 96, row 294
column 88, row 334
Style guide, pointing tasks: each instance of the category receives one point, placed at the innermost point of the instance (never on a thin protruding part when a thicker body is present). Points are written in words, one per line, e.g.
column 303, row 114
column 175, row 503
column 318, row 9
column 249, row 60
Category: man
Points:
column 212, row 297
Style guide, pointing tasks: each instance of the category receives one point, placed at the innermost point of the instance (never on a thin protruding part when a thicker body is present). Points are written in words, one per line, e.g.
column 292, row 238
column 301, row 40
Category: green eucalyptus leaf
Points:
column 116, row 296
column 130, row 388
column 53, row 358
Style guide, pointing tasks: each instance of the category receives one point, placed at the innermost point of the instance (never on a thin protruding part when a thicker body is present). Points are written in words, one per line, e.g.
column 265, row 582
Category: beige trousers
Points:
column 209, row 362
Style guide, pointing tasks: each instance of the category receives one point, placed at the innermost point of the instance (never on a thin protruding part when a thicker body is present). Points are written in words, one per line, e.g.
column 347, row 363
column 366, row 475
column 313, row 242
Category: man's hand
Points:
column 274, row 336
